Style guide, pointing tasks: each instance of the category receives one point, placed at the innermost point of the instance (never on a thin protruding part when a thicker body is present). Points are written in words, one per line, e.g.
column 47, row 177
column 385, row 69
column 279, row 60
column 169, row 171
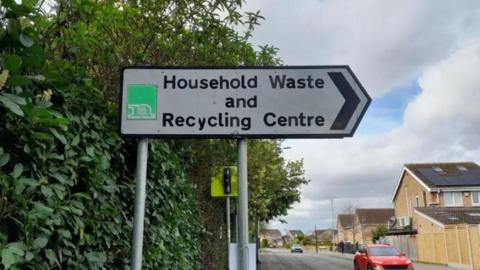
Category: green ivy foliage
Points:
column 105, row 36
column 66, row 177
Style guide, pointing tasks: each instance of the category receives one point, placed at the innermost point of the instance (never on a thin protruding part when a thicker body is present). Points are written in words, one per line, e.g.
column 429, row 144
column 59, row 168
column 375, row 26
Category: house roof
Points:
column 447, row 174
column 442, row 175
column 271, row 232
column 452, row 215
column 374, row 215
column 295, row 232
column 319, row 232
column 346, row 220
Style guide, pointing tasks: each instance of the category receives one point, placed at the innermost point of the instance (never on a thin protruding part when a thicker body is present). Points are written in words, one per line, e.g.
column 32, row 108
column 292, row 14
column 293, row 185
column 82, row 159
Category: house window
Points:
column 453, row 198
column 417, row 201
column 475, row 198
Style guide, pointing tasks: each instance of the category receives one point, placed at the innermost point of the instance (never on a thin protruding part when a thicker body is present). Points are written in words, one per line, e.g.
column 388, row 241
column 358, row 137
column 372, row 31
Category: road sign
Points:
column 242, row 102
column 216, row 187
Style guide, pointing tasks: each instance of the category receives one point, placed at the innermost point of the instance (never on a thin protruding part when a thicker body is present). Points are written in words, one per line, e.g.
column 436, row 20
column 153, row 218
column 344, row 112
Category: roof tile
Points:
column 452, row 215
column 374, row 215
column 446, row 174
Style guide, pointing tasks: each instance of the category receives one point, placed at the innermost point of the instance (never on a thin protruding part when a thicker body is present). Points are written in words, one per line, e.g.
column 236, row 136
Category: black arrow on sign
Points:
column 351, row 101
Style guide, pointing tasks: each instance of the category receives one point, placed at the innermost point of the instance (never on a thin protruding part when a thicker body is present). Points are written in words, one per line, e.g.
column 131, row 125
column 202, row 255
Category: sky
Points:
column 420, row 62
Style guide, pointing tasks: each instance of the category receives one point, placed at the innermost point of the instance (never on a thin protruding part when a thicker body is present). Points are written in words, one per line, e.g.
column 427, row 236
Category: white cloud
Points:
column 387, row 43
column 441, row 124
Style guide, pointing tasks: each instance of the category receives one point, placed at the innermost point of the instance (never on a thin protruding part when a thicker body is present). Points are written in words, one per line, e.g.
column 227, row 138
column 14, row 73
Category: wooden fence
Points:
column 458, row 246
column 404, row 243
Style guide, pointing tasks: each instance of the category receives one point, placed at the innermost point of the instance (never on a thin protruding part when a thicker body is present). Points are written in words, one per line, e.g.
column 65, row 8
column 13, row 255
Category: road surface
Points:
column 282, row 259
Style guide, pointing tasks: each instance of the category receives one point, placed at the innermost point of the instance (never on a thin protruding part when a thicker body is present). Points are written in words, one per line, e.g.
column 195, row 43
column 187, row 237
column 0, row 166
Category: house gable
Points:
column 400, row 181
column 410, row 194
column 345, row 220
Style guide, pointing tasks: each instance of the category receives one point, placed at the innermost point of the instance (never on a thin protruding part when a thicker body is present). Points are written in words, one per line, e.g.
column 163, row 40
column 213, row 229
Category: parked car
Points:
column 296, row 248
column 381, row 257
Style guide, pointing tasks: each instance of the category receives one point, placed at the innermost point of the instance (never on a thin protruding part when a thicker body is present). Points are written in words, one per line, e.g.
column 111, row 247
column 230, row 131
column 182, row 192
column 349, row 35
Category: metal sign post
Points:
column 140, row 194
column 242, row 204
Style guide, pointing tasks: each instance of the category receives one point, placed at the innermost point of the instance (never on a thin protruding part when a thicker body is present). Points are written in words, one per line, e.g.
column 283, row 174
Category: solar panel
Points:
column 470, row 177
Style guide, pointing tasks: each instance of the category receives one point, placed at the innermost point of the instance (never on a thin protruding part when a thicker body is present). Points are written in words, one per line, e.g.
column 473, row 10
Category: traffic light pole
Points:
column 140, row 194
column 242, row 205
column 229, row 236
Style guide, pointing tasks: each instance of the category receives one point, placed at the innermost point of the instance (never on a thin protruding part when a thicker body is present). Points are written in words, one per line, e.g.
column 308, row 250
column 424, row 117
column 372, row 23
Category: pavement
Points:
column 282, row 259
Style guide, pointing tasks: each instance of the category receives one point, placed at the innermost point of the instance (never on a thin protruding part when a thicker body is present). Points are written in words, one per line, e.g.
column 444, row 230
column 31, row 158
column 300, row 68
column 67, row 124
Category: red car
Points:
column 381, row 257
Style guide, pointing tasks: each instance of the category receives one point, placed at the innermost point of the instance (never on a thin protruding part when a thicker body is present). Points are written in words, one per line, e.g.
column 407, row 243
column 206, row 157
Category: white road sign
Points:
column 250, row 102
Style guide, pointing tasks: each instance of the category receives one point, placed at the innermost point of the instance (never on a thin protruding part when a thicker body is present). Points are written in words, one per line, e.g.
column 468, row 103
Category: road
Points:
column 282, row 259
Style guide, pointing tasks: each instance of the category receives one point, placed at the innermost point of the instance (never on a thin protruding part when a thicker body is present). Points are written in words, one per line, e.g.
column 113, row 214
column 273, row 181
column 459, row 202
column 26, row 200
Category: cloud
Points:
column 441, row 124
column 387, row 43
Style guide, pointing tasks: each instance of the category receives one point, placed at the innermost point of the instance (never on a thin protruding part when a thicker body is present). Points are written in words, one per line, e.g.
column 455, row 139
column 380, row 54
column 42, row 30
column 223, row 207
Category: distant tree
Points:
column 304, row 240
column 274, row 183
column 349, row 208
column 264, row 243
column 379, row 232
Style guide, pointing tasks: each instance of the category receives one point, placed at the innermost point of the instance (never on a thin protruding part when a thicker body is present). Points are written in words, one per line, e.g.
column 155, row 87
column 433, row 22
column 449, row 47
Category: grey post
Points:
column 333, row 226
column 229, row 237
column 242, row 205
column 140, row 194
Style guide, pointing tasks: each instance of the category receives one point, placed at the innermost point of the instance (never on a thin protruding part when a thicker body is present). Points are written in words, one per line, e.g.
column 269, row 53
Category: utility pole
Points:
column 333, row 224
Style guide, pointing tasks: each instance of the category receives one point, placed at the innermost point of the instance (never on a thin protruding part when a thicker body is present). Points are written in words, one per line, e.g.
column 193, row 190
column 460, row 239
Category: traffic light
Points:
column 227, row 180
column 223, row 181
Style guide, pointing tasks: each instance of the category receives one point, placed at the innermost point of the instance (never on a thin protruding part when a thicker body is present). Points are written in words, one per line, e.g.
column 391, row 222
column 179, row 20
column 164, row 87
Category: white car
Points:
column 296, row 248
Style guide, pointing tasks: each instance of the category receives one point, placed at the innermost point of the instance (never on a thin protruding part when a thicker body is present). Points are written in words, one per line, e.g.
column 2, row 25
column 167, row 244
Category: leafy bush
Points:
column 264, row 243
column 379, row 232
column 66, row 177
column 304, row 240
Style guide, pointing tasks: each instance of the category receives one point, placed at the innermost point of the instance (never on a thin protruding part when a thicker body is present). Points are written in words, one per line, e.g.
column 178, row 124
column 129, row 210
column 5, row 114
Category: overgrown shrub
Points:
column 264, row 243
column 66, row 177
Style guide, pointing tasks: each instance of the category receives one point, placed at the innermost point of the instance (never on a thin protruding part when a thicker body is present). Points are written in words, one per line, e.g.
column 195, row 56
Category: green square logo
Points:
column 142, row 101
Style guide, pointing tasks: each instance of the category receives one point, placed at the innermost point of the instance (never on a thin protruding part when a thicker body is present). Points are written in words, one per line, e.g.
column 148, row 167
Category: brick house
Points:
column 292, row 234
column 437, row 206
column 437, row 186
column 358, row 227
column 273, row 237
column 323, row 236
column 345, row 228
column 369, row 219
